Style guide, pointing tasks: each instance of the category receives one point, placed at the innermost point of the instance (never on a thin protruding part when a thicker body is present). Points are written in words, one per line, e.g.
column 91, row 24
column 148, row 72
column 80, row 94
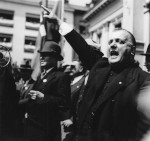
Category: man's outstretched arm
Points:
column 86, row 54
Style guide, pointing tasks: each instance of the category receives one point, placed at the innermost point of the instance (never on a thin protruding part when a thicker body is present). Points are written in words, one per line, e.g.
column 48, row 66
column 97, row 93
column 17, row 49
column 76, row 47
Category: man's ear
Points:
column 133, row 49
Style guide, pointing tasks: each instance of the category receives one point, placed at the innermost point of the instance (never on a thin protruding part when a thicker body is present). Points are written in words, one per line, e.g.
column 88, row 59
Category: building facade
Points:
column 19, row 26
column 132, row 15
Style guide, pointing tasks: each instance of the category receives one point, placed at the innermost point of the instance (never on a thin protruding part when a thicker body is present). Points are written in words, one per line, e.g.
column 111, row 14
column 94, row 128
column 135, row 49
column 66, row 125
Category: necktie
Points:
column 43, row 74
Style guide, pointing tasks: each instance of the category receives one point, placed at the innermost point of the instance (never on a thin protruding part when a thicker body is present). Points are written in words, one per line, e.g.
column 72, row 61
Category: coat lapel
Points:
column 101, row 75
column 120, row 82
column 46, row 80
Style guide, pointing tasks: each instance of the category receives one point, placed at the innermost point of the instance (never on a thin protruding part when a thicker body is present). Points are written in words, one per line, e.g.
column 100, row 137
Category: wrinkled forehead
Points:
column 120, row 34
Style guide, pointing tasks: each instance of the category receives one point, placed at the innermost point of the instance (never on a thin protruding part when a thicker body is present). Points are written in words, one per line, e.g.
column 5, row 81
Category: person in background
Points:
column 79, row 80
column 77, row 74
column 147, row 58
column 49, row 101
column 114, row 106
column 68, row 68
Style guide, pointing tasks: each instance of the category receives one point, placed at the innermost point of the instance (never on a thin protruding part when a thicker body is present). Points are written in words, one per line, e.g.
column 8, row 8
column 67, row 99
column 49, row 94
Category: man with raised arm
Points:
column 115, row 105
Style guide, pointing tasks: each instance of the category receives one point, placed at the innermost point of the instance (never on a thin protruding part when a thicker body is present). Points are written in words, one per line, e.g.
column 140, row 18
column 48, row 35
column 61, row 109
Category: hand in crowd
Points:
column 49, row 14
column 67, row 122
column 20, row 84
column 36, row 95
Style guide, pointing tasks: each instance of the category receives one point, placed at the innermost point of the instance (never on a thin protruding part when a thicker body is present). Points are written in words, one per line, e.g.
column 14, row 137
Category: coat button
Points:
column 26, row 88
column 120, row 83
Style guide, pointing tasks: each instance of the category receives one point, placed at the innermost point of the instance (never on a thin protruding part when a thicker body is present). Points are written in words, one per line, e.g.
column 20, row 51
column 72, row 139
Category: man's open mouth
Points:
column 114, row 53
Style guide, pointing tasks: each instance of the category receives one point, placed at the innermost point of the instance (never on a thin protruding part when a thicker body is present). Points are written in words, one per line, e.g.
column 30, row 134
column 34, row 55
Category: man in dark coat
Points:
column 50, row 98
column 109, row 111
column 114, row 106
column 8, row 105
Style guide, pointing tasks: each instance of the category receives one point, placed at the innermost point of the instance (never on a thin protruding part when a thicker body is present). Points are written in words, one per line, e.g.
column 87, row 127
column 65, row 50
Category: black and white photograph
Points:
column 74, row 70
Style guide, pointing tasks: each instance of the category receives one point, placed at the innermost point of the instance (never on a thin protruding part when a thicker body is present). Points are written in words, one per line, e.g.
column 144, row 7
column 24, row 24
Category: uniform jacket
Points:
column 45, row 115
column 115, row 117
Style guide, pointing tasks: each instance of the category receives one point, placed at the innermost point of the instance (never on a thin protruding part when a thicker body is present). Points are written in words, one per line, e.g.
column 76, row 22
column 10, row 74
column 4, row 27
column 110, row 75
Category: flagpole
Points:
column 39, row 43
column 62, row 19
column 62, row 10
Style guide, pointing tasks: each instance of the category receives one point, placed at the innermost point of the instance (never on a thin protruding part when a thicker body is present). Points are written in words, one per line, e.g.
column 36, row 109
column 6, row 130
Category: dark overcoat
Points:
column 44, row 116
column 8, row 105
column 116, row 117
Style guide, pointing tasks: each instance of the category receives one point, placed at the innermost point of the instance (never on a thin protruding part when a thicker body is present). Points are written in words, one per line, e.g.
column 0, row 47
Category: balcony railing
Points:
column 6, row 22
column 6, row 44
column 29, row 48
column 34, row 26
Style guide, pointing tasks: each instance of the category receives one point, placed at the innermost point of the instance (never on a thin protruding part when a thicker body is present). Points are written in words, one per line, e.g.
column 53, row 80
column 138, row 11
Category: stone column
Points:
column 146, row 24
column 104, row 40
column 128, row 15
column 111, row 27
column 94, row 38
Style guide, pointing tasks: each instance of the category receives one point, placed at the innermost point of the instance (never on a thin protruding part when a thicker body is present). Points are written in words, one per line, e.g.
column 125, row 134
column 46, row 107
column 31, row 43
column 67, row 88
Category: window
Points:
column 26, row 60
column 6, row 40
column 99, row 37
column 32, row 21
column 65, row 20
column 82, row 29
column 118, row 22
column 6, row 18
column 118, row 25
column 30, row 44
column 26, row 63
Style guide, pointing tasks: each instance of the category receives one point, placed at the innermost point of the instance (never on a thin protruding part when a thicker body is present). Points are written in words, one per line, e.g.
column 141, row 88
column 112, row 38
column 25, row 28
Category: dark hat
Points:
column 52, row 47
column 147, row 51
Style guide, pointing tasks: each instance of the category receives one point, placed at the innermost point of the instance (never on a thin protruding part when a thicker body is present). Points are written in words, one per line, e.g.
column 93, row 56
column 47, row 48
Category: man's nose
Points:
column 113, row 45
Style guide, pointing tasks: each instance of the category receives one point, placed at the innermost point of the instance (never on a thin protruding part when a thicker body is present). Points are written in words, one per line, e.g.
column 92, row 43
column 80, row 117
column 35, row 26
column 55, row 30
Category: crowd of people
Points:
column 93, row 98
